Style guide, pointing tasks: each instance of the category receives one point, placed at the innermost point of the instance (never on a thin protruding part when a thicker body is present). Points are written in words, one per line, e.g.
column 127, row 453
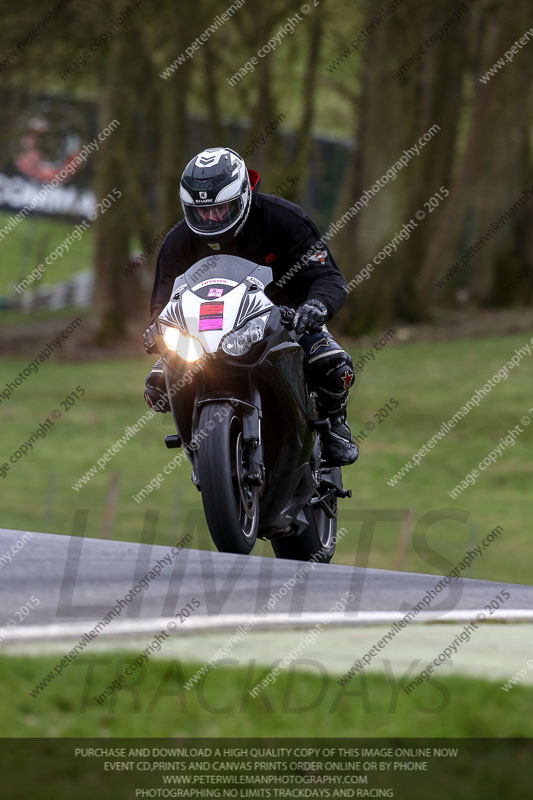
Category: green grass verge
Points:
column 430, row 381
column 31, row 241
column 154, row 703
column 298, row 705
column 14, row 319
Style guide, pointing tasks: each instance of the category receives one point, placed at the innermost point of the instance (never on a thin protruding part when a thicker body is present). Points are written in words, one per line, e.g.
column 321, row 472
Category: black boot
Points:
column 338, row 447
column 155, row 393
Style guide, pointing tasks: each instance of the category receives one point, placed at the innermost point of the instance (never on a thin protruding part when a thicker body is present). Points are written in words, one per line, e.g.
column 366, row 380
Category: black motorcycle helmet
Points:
column 216, row 194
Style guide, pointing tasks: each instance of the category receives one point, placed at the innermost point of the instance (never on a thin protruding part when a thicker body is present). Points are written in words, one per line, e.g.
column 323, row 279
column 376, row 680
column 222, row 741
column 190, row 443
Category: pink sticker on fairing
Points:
column 215, row 292
column 211, row 324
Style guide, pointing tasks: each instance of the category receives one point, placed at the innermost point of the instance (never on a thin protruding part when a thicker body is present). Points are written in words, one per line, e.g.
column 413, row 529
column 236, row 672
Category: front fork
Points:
column 251, row 434
column 252, row 414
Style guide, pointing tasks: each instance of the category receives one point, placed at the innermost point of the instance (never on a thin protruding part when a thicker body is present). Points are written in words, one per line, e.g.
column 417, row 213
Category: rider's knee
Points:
column 340, row 377
column 333, row 372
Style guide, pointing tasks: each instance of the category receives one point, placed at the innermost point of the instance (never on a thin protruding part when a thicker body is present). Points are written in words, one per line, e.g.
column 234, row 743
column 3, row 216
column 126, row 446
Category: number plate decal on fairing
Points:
column 211, row 317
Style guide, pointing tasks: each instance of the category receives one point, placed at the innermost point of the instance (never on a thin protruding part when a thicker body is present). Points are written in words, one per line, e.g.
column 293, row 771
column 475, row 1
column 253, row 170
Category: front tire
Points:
column 231, row 506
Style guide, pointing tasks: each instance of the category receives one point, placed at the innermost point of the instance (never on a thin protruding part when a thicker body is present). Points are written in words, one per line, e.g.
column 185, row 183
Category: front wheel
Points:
column 231, row 505
column 316, row 543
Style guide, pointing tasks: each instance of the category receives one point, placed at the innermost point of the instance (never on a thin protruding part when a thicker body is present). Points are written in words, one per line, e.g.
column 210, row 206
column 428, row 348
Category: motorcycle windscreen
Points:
column 227, row 268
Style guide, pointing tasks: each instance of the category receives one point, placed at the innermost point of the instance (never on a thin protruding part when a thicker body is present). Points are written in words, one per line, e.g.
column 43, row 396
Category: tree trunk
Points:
column 394, row 110
column 490, row 158
column 113, row 291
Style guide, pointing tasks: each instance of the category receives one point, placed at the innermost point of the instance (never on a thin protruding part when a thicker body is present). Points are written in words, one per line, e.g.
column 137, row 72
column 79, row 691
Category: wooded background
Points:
column 378, row 74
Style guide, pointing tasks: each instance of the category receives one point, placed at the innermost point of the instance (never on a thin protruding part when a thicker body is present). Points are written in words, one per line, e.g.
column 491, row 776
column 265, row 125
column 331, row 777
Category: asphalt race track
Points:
column 80, row 579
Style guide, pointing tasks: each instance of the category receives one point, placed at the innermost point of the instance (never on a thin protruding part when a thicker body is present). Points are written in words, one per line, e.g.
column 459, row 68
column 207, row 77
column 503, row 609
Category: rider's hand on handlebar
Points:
column 310, row 317
column 287, row 315
column 150, row 337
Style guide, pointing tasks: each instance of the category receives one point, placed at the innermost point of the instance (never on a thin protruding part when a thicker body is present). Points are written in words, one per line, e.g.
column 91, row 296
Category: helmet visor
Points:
column 213, row 219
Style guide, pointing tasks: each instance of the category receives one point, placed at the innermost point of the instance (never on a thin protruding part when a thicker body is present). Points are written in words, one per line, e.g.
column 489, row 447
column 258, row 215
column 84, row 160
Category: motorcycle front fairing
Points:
column 215, row 296
column 271, row 375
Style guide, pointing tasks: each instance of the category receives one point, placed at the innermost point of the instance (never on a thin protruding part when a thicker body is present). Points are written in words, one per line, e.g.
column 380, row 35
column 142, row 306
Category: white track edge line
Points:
column 223, row 622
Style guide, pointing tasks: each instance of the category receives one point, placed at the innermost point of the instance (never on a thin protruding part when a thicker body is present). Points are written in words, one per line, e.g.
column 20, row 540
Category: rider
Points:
column 224, row 212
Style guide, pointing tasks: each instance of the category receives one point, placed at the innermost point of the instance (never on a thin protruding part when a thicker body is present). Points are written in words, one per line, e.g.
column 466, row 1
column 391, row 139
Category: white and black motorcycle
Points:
column 239, row 395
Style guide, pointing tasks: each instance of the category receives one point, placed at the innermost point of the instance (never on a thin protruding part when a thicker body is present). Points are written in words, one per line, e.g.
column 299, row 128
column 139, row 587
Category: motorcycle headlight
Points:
column 239, row 342
column 187, row 347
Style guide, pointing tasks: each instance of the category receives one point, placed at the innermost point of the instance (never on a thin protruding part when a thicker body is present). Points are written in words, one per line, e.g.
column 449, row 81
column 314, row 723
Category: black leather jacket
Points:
column 278, row 234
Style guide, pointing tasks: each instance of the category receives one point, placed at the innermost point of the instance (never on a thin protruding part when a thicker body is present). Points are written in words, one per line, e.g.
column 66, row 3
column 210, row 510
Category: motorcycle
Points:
column 243, row 410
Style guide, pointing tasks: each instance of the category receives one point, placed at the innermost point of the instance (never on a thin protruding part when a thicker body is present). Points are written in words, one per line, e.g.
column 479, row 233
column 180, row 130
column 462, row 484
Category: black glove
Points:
column 150, row 339
column 287, row 315
column 310, row 317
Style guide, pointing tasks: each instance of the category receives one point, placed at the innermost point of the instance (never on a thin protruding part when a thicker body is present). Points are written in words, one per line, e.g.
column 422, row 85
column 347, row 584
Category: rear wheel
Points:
column 231, row 505
column 316, row 543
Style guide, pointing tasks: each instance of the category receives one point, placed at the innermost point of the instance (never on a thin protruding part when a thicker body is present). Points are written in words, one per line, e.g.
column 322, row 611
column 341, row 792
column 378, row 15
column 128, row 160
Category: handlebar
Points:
column 287, row 315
